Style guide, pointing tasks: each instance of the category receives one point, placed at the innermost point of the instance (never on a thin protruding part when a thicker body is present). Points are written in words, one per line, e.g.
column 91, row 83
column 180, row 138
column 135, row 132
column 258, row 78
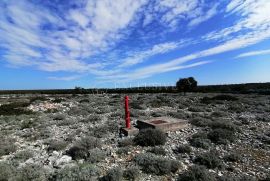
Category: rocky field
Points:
column 76, row 137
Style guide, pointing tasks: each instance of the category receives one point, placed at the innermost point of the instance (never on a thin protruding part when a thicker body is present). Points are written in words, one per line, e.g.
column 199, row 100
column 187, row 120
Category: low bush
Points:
column 16, row 108
column 200, row 140
column 56, row 145
column 225, row 97
column 115, row 174
column 96, row 155
column 91, row 119
column 6, row 171
column 123, row 150
column 82, row 172
column 153, row 164
column 208, row 100
column 150, row 137
column 126, row 142
column 137, row 105
column 200, row 122
column 59, row 117
column 82, row 147
column 23, row 155
column 221, row 136
column 58, row 100
column 178, row 115
column 28, row 124
column 132, row 173
column 196, row 109
column 31, row 172
column 7, row 146
column 233, row 157
column 84, row 101
column 209, row 159
column 157, row 150
column 196, row 173
column 224, row 124
column 183, row 149
column 219, row 114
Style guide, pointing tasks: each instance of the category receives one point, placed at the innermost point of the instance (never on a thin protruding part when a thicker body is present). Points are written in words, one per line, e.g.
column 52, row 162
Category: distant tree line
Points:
column 183, row 86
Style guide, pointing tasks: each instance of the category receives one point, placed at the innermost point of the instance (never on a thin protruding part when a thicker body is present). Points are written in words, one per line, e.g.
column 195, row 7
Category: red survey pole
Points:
column 127, row 113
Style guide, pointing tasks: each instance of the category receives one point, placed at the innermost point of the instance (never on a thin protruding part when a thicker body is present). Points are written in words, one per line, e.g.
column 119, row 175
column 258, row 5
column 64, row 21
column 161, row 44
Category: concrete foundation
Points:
column 130, row 131
column 163, row 123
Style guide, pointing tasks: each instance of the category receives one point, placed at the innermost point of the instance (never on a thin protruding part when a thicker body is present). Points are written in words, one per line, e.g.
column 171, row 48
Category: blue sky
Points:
column 122, row 43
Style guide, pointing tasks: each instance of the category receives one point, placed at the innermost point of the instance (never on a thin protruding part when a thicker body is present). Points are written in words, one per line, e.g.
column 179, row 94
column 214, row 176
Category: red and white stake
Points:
column 127, row 113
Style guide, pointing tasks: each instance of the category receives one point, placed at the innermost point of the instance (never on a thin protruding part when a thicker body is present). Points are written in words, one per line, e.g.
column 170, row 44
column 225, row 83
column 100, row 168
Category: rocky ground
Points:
column 76, row 137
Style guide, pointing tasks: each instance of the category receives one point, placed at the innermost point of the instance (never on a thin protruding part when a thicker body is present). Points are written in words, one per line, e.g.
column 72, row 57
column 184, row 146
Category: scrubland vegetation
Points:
column 76, row 137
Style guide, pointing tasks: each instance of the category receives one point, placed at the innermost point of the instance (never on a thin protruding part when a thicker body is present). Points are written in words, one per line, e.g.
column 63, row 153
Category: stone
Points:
column 62, row 161
column 130, row 131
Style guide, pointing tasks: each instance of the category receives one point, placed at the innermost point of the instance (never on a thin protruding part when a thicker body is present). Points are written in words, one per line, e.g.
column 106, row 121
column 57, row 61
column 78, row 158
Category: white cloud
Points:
column 202, row 18
column 31, row 35
column 138, row 57
column 254, row 53
column 67, row 78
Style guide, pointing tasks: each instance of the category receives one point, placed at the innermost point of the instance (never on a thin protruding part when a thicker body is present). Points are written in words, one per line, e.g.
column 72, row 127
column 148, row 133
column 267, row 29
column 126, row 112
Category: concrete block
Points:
column 163, row 123
column 130, row 131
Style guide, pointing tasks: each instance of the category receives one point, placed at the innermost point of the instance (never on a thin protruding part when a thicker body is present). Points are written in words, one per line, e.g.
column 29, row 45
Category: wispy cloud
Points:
column 254, row 53
column 66, row 78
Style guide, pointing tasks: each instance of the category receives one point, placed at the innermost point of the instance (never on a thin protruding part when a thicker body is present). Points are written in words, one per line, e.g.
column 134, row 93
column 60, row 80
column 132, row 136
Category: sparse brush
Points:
column 150, row 137
column 221, row 136
column 210, row 160
column 183, row 149
column 157, row 150
column 82, row 147
column 115, row 174
column 157, row 165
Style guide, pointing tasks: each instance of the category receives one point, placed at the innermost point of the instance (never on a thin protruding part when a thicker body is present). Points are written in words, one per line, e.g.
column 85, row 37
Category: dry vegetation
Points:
column 76, row 137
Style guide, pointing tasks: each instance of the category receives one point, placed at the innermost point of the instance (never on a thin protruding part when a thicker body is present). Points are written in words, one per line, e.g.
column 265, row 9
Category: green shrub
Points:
column 201, row 122
column 27, row 124
column 224, row 124
column 96, row 155
column 157, row 150
column 196, row 173
column 82, row 147
column 84, row 101
column 210, row 160
column 183, row 149
column 56, row 145
column 221, row 136
column 200, row 140
column 16, row 108
column 82, row 172
column 59, row 117
column 224, row 97
column 7, row 146
column 132, row 173
column 153, row 164
column 6, row 171
column 92, row 119
column 219, row 114
column 196, row 109
column 126, row 142
column 31, row 172
column 58, row 100
column 24, row 155
column 150, row 137
column 234, row 157
column 123, row 150
column 115, row 174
